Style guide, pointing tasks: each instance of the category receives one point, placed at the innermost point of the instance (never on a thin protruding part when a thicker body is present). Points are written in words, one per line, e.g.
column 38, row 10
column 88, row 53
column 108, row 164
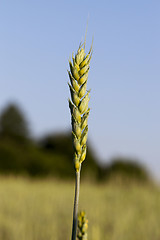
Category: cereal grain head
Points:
column 82, row 226
column 78, row 75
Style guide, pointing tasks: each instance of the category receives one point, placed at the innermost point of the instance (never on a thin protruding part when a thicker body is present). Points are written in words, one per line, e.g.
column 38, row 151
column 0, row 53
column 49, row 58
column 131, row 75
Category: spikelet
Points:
column 78, row 75
column 82, row 226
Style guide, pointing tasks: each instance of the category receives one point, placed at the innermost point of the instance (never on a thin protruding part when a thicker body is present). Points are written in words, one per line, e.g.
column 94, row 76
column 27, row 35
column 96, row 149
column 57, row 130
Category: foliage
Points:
column 52, row 154
column 40, row 160
column 13, row 123
column 124, row 169
column 54, row 143
column 46, row 158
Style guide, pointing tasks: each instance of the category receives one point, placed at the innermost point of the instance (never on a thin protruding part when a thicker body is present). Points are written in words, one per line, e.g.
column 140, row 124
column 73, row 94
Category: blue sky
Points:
column 36, row 40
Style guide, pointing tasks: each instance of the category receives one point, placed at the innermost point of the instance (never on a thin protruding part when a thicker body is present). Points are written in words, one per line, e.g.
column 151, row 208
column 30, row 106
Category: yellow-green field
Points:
column 42, row 210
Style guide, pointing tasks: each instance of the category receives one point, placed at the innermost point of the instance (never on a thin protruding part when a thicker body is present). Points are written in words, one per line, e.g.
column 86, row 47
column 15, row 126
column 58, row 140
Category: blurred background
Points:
column 36, row 40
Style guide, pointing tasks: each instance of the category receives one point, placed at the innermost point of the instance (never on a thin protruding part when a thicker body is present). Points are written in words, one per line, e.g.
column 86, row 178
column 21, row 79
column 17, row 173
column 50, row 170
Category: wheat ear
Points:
column 82, row 226
column 78, row 75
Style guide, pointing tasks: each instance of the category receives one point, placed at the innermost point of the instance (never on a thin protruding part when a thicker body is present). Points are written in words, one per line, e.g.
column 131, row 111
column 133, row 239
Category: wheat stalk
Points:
column 78, row 74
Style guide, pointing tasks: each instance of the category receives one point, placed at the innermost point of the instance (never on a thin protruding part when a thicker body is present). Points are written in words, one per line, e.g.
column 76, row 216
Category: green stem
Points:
column 75, row 209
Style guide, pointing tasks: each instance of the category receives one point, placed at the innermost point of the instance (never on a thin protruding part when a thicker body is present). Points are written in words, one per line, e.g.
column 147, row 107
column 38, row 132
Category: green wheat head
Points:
column 78, row 74
column 82, row 226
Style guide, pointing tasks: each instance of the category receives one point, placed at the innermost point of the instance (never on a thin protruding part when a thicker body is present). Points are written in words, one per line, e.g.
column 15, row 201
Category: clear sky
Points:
column 36, row 39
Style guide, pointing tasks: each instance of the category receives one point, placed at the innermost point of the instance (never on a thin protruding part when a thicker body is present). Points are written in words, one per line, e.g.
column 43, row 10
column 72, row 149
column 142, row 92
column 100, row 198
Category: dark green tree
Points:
column 124, row 169
column 61, row 145
column 13, row 123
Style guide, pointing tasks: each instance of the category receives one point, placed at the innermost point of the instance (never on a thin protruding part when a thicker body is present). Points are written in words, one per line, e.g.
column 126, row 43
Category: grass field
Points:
column 42, row 210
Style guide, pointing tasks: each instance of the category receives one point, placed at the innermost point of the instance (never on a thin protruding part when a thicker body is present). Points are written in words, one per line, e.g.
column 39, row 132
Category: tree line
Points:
column 52, row 154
